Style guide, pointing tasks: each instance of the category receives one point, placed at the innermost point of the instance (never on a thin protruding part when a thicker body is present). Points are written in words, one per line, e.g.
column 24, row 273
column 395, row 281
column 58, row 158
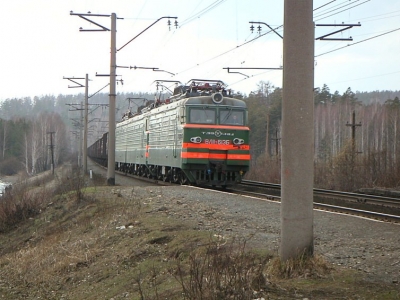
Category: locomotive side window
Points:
column 202, row 116
column 231, row 117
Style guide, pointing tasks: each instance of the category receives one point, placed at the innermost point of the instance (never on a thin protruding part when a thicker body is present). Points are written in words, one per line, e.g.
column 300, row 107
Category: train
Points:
column 198, row 135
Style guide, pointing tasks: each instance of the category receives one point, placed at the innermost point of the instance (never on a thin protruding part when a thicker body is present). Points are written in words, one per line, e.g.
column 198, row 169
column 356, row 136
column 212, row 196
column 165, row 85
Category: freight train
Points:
column 199, row 135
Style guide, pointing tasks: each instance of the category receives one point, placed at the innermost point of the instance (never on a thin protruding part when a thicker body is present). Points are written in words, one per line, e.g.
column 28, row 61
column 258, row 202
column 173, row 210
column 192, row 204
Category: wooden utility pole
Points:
column 353, row 126
column 276, row 139
column 297, row 131
column 52, row 151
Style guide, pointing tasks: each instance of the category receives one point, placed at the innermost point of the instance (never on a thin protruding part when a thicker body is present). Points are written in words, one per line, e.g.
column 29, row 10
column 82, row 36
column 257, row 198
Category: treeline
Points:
column 370, row 159
column 31, row 128
column 30, row 144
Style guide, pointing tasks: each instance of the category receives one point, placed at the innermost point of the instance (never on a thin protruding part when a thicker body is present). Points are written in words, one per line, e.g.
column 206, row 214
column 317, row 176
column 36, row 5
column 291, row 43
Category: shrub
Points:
column 10, row 166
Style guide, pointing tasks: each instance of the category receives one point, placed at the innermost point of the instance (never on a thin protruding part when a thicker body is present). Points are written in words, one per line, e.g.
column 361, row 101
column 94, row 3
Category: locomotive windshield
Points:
column 202, row 116
column 231, row 117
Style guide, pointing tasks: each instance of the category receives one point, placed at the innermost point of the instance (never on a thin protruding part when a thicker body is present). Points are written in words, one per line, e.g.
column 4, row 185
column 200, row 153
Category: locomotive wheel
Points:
column 183, row 179
column 175, row 177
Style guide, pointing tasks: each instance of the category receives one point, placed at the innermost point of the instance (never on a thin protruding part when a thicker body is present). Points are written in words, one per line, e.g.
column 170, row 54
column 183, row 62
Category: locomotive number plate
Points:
column 216, row 142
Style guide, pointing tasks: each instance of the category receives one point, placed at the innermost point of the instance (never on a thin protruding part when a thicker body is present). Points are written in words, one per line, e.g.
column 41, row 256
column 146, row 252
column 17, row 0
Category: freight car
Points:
column 199, row 135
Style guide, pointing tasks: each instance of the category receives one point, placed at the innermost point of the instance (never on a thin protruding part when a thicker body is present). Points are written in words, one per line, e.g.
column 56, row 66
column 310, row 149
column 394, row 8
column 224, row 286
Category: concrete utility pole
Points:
column 81, row 136
column 83, row 144
column 113, row 67
column 297, row 130
column 85, row 131
column 111, row 140
column 111, row 112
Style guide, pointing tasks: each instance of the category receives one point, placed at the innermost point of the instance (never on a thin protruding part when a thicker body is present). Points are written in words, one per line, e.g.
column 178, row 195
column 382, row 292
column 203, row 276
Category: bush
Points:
column 17, row 206
column 10, row 166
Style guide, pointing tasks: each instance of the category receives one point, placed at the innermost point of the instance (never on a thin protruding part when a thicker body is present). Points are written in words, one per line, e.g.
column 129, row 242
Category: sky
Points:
column 41, row 44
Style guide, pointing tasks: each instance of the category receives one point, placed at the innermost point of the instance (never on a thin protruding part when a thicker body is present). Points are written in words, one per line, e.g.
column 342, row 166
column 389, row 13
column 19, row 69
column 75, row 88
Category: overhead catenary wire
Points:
column 340, row 11
column 348, row 45
column 324, row 5
column 219, row 55
column 202, row 12
column 335, row 7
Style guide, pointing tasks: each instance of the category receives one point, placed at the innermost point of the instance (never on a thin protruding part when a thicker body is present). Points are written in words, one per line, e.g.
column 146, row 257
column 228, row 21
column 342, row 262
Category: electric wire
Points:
column 341, row 11
column 380, row 75
column 323, row 5
column 202, row 12
column 348, row 45
column 219, row 55
column 336, row 6
column 374, row 18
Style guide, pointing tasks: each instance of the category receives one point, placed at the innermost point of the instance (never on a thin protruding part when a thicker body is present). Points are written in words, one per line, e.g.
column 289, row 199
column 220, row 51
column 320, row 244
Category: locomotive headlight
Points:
column 217, row 98
column 237, row 141
column 195, row 139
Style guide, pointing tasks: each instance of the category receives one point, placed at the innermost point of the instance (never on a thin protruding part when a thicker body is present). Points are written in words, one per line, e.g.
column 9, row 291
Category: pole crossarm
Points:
column 176, row 24
column 244, row 68
column 347, row 26
column 259, row 28
column 146, row 68
column 72, row 79
column 83, row 16
column 229, row 71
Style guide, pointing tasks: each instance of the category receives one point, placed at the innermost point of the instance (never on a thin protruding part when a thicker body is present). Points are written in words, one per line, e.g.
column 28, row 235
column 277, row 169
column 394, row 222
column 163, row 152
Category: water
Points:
column 3, row 186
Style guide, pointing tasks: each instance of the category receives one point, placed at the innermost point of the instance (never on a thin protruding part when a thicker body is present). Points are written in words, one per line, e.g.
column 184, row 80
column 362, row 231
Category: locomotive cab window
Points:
column 202, row 116
column 231, row 117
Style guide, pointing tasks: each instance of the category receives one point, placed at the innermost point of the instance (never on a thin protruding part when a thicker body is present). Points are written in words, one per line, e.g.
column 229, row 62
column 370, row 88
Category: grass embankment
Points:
column 73, row 238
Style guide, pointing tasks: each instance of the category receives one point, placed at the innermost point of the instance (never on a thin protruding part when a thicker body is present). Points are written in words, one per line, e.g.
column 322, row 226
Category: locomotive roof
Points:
column 198, row 92
column 208, row 100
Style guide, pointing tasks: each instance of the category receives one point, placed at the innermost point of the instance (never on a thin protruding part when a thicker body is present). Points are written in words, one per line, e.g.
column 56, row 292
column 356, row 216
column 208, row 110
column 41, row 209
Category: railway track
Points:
column 369, row 206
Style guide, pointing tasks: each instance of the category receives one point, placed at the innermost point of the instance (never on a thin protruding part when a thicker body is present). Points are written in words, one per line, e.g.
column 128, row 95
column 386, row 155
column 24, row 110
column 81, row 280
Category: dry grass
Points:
column 302, row 267
column 88, row 241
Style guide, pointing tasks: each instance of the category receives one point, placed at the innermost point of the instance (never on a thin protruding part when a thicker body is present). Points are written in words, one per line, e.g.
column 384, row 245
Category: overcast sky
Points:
column 41, row 43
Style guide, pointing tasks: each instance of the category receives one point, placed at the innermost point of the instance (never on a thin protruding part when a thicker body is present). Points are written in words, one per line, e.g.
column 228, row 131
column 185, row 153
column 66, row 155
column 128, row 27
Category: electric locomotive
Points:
column 197, row 136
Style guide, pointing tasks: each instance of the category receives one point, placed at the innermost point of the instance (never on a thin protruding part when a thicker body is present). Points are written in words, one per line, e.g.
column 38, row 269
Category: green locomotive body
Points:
column 200, row 136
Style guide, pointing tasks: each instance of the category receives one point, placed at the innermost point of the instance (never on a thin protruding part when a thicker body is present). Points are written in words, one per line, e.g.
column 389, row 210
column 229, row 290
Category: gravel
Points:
column 366, row 245
column 369, row 246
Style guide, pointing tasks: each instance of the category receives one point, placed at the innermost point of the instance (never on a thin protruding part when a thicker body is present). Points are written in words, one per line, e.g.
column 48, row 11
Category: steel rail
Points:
column 347, row 196
column 326, row 207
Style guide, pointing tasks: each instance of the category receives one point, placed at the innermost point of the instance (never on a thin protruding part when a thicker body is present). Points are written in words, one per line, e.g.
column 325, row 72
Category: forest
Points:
column 357, row 134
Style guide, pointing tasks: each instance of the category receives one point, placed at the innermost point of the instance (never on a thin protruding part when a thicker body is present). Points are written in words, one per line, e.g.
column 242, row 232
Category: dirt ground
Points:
column 122, row 242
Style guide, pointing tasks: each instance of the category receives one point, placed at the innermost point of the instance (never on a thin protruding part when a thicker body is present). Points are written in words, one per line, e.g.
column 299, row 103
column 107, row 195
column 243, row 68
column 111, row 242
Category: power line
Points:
column 348, row 45
column 374, row 18
column 323, row 5
column 334, row 6
column 340, row 11
column 202, row 12
column 380, row 75
column 229, row 50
